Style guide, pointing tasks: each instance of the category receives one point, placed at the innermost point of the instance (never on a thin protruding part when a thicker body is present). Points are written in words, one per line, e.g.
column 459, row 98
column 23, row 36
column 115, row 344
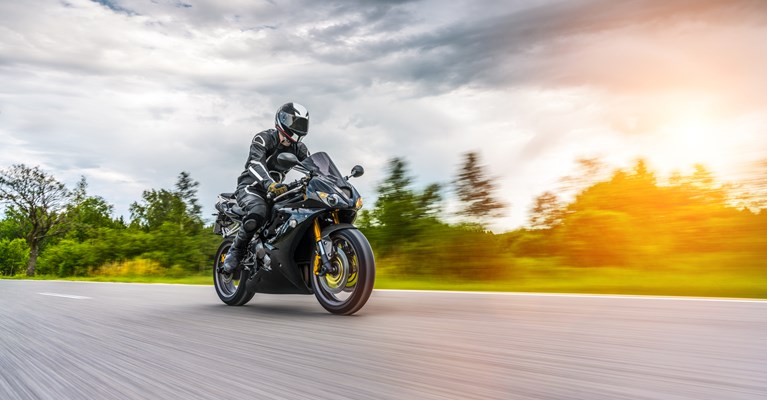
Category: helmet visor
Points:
column 295, row 124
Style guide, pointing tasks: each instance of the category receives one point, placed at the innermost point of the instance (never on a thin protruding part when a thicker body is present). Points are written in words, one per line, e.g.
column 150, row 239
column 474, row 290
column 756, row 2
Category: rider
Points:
column 262, row 175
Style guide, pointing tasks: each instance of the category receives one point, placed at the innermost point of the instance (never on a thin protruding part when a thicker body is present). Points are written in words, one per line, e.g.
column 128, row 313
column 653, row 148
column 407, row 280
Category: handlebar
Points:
column 300, row 183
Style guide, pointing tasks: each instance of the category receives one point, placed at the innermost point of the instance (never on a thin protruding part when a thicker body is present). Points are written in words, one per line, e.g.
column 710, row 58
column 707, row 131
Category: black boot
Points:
column 235, row 253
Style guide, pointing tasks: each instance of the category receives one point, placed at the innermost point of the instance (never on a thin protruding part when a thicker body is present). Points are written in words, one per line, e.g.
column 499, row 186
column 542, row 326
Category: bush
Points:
column 135, row 267
column 450, row 253
column 14, row 255
column 594, row 238
column 68, row 258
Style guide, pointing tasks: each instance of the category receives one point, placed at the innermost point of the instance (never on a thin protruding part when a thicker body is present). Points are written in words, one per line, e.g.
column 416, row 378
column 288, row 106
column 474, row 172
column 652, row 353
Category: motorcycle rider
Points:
column 262, row 175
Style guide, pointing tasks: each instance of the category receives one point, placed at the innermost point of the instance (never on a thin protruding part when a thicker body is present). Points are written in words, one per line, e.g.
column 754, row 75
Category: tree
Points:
column 751, row 192
column 186, row 188
column 158, row 207
column 588, row 172
column 179, row 207
column 37, row 201
column 547, row 212
column 400, row 213
column 13, row 255
column 86, row 214
column 475, row 190
column 396, row 202
column 10, row 229
column 585, row 235
column 430, row 202
column 174, row 224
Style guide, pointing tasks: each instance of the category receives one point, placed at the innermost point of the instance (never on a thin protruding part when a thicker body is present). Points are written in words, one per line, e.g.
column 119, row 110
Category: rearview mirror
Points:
column 287, row 160
column 357, row 171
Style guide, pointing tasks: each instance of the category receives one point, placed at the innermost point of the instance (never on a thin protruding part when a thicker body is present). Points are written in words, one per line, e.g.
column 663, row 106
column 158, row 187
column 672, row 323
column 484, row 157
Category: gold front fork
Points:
column 317, row 241
column 334, row 213
column 317, row 231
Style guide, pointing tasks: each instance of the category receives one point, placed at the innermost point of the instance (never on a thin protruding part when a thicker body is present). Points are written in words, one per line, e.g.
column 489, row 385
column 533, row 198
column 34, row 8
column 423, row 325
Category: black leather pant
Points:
column 255, row 208
column 252, row 203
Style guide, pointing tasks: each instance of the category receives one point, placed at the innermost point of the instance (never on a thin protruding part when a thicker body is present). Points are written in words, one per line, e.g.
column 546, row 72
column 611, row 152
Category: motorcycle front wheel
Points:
column 231, row 288
column 347, row 287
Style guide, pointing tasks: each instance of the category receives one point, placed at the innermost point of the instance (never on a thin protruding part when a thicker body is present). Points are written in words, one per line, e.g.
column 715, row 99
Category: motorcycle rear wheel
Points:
column 231, row 288
column 347, row 289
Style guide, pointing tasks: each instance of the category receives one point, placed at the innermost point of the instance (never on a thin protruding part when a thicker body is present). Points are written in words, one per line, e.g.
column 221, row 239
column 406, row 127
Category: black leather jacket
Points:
column 261, row 168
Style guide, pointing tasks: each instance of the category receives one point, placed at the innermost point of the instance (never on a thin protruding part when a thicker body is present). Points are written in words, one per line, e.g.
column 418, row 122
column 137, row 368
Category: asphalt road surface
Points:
column 78, row 340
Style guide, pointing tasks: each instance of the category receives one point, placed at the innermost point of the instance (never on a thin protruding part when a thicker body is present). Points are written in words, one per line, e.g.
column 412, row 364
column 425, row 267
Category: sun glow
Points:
column 693, row 137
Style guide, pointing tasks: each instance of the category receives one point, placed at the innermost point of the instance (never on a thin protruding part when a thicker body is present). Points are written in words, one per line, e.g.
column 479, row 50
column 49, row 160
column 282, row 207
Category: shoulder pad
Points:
column 263, row 138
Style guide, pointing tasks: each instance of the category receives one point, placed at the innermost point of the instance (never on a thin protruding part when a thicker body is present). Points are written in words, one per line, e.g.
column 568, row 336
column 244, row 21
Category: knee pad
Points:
column 251, row 222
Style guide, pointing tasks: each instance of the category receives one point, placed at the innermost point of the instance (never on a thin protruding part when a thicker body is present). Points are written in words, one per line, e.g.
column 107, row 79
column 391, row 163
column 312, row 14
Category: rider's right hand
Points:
column 277, row 188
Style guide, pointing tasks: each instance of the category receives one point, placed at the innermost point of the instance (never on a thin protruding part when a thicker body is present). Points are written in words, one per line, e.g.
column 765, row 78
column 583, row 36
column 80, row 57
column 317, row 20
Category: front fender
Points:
column 326, row 242
column 334, row 228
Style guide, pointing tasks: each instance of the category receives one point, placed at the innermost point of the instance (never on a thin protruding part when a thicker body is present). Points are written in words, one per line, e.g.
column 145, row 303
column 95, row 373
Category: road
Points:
column 79, row 340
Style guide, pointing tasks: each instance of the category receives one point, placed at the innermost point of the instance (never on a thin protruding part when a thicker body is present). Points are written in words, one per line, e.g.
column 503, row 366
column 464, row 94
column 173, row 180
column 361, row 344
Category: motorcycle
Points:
column 308, row 245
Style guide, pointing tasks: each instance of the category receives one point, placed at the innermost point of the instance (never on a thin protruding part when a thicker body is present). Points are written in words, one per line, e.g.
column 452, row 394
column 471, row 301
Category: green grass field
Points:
column 604, row 282
column 680, row 281
column 710, row 275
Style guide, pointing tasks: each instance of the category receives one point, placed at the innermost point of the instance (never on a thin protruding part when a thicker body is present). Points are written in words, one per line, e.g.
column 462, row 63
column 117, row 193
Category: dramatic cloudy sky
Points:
column 129, row 93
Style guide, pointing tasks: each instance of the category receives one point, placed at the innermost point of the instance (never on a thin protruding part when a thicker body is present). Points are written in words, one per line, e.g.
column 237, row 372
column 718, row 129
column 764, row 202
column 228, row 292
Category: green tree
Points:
column 13, row 255
column 475, row 191
column 68, row 258
column 401, row 214
column 38, row 202
column 395, row 205
column 173, row 222
column 158, row 207
column 86, row 214
column 179, row 207
column 10, row 229
column 186, row 188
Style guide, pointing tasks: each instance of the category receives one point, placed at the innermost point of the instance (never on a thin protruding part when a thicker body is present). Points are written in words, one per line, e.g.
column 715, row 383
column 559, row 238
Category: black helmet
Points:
column 292, row 120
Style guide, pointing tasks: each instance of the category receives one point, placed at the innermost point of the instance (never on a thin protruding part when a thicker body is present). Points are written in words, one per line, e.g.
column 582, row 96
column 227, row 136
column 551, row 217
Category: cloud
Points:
column 114, row 6
column 130, row 93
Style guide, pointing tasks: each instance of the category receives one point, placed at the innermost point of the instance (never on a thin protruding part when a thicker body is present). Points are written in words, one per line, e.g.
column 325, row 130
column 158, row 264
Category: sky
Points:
column 129, row 93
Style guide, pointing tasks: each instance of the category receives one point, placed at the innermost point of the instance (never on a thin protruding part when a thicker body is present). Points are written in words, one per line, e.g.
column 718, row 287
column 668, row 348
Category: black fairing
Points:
column 289, row 236
column 288, row 249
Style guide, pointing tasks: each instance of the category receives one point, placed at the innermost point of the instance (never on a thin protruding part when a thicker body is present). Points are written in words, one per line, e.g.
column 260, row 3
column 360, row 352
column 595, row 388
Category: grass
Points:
column 687, row 275
column 186, row 280
column 726, row 275
column 603, row 282
column 606, row 281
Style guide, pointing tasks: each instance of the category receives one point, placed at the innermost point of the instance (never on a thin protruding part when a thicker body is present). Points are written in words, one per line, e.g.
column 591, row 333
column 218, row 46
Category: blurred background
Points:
column 523, row 145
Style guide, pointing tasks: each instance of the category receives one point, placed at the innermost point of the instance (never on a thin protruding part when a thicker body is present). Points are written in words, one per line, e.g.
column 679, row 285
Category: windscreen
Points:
column 321, row 162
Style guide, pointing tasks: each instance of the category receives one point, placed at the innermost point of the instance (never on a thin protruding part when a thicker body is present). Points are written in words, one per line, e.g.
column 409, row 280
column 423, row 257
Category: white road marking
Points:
column 69, row 296
column 531, row 294
column 603, row 296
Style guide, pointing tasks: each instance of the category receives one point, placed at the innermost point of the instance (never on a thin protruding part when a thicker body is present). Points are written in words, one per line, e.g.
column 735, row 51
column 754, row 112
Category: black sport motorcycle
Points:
column 309, row 244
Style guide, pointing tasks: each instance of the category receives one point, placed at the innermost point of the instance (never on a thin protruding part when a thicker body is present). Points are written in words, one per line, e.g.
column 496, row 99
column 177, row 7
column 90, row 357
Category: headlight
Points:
column 329, row 199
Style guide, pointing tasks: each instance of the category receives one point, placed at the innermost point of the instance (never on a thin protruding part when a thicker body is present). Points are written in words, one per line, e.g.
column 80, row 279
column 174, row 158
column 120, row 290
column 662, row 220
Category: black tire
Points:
column 231, row 289
column 346, row 291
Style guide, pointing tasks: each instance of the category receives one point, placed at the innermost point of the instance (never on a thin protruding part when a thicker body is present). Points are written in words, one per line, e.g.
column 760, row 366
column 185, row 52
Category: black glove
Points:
column 277, row 188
